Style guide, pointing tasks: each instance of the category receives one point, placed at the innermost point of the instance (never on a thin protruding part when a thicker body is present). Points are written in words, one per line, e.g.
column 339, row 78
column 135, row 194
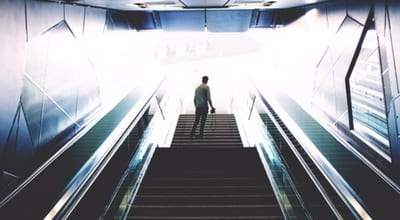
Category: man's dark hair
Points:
column 205, row 79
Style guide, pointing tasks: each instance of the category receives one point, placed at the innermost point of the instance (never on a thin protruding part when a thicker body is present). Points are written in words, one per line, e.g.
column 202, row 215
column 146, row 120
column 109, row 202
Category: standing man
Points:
column 202, row 98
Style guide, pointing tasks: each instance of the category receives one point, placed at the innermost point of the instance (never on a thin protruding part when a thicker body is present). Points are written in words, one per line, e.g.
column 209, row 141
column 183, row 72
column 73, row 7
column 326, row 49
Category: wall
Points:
column 366, row 25
column 339, row 59
column 61, row 66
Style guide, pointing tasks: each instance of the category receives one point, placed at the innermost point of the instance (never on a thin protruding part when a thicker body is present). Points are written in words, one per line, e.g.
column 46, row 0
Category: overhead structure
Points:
column 132, row 5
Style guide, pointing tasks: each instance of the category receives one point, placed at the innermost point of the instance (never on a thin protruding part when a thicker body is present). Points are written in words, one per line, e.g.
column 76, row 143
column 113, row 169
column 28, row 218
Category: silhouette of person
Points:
column 202, row 98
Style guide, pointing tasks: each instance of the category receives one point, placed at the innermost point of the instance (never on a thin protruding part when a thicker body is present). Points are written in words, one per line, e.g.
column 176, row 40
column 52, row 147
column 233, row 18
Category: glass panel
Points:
column 367, row 96
column 60, row 86
column 59, row 94
column 329, row 89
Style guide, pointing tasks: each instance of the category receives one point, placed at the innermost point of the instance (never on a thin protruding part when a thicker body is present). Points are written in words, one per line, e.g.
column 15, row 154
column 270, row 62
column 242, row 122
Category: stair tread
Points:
column 210, row 178
column 206, row 217
column 220, row 131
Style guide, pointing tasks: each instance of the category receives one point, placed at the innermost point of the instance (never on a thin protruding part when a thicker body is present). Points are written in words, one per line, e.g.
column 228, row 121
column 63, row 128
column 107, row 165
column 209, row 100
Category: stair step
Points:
column 219, row 181
column 220, row 131
column 209, row 137
column 206, row 145
column 223, row 190
column 205, row 142
column 206, row 211
column 204, row 199
column 210, row 130
column 269, row 217
column 209, row 178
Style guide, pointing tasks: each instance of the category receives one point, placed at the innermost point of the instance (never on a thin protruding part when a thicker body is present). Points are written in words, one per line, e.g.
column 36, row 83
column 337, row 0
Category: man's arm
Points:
column 209, row 98
column 194, row 97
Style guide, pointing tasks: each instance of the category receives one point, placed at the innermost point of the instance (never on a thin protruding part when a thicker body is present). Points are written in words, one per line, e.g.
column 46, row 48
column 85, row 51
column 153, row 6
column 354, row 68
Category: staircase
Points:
column 220, row 131
column 209, row 178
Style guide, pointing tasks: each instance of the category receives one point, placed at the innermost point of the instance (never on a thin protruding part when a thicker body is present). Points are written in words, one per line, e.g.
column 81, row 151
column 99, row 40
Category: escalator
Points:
column 39, row 193
column 213, row 177
column 315, row 202
column 378, row 198
column 209, row 178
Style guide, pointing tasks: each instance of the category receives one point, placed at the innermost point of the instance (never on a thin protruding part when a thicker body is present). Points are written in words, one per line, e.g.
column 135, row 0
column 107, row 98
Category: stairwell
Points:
column 209, row 178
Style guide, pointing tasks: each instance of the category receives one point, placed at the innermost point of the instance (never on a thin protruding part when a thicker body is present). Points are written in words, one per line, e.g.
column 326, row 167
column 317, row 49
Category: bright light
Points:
column 227, row 58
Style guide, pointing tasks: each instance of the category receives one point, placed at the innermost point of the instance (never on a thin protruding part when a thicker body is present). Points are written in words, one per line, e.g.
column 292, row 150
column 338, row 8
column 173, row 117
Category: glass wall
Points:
column 77, row 64
column 367, row 96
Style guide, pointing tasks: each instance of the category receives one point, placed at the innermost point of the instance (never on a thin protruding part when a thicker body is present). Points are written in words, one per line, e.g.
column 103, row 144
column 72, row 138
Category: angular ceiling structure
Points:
column 128, row 5
column 200, row 15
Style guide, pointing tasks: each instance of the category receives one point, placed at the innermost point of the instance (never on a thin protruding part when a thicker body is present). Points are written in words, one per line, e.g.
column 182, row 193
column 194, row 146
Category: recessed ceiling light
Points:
column 140, row 5
column 269, row 3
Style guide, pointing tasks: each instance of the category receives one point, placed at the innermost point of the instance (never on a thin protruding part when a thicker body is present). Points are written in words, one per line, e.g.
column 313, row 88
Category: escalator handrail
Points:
column 345, row 191
column 261, row 152
column 303, row 163
column 136, row 170
column 139, row 171
column 84, row 178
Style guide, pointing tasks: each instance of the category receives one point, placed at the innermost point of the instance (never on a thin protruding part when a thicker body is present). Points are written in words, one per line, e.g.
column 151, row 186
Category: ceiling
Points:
column 199, row 15
column 161, row 5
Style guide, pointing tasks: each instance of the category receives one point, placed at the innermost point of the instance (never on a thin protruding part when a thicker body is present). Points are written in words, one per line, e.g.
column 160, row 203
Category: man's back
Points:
column 202, row 96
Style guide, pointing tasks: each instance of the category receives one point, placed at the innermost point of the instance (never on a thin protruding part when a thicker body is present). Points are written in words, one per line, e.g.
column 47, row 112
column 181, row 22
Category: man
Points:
column 202, row 98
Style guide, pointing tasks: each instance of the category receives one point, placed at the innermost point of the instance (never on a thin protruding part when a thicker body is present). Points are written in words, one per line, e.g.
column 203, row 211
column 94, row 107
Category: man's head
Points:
column 204, row 79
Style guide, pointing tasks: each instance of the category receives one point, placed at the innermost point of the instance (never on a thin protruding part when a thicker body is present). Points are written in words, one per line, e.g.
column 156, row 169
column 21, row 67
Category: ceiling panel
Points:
column 182, row 4
column 192, row 20
column 228, row 20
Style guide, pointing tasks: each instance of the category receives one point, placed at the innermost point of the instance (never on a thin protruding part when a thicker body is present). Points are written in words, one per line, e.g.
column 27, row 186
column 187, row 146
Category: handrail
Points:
column 344, row 191
column 96, row 163
column 274, row 185
column 252, row 107
column 306, row 167
column 273, row 163
column 393, row 104
column 159, row 106
column 157, row 133
column 252, row 129
column 139, row 171
column 135, row 172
